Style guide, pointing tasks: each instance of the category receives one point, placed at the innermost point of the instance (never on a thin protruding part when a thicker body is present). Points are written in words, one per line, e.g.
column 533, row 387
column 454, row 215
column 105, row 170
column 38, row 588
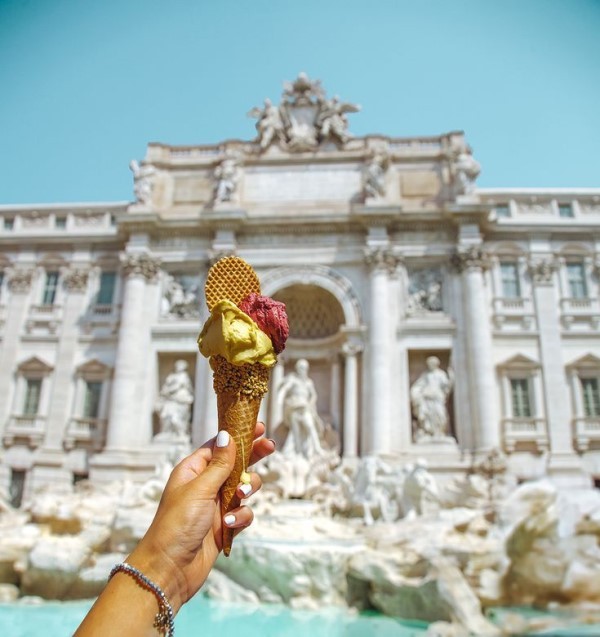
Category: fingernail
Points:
column 274, row 443
column 222, row 438
column 246, row 489
column 229, row 519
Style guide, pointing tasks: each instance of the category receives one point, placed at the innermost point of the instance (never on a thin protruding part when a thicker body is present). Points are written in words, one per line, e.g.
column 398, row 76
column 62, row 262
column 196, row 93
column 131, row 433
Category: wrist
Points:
column 159, row 568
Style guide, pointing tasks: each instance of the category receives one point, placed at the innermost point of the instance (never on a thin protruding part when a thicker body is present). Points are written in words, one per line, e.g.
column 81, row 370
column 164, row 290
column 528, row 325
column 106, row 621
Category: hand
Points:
column 185, row 537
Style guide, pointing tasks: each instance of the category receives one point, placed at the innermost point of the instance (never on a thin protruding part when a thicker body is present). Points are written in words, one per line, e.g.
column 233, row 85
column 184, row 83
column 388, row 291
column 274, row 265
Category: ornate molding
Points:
column 471, row 258
column 380, row 258
column 19, row 280
column 75, row 279
column 542, row 270
column 352, row 348
column 143, row 264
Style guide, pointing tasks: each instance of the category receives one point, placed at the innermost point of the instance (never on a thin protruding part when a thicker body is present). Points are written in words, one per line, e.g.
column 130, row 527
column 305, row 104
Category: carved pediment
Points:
column 587, row 362
column 94, row 368
column 34, row 366
column 519, row 362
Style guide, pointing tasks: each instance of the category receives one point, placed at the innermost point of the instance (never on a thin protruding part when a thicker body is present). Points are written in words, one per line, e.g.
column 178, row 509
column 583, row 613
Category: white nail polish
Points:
column 246, row 489
column 222, row 438
column 229, row 519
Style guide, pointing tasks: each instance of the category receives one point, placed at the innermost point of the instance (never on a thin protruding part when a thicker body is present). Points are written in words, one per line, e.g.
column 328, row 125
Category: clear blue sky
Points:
column 86, row 84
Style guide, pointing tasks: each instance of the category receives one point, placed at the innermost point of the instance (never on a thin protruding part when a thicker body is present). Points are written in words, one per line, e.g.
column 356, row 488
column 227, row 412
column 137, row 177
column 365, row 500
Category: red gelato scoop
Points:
column 270, row 316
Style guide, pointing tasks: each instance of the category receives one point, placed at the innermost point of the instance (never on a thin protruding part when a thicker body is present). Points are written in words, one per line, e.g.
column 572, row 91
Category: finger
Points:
column 239, row 518
column 220, row 465
column 189, row 468
column 259, row 430
column 262, row 448
column 246, row 490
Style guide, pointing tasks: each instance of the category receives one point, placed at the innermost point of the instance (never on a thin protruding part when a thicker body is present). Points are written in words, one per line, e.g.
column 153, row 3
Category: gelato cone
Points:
column 241, row 355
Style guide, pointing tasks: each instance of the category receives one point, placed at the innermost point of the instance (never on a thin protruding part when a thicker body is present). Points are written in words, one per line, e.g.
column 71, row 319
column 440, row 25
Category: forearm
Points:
column 126, row 606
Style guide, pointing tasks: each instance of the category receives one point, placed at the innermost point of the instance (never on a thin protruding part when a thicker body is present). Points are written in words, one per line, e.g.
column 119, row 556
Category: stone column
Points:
column 275, row 415
column 563, row 459
column 19, row 285
column 125, row 427
column 334, row 392
column 381, row 436
column 350, row 431
column 471, row 263
column 75, row 281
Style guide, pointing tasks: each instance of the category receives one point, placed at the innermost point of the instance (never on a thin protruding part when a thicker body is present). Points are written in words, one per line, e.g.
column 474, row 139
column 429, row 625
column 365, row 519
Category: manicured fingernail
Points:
column 229, row 519
column 246, row 489
column 274, row 443
column 222, row 438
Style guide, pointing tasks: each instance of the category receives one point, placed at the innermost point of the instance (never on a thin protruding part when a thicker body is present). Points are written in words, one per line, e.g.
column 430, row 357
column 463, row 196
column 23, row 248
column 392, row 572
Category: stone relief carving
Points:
column 534, row 208
column 180, row 297
column 174, row 404
column 142, row 264
column 75, row 279
column 143, row 181
column 424, row 291
column 19, row 280
column 542, row 270
column 90, row 219
column 373, row 177
column 35, row 220
column 304, row 119
column 472, row 257
column 428, row 397
column 382, row 257
column 227, row 176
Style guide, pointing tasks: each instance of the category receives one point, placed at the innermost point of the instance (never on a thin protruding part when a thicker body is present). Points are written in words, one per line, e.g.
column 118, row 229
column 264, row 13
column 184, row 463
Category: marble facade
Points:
column 385, row 252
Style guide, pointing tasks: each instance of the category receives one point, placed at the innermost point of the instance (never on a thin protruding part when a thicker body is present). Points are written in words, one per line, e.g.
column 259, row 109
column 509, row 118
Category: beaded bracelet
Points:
column 164, row 620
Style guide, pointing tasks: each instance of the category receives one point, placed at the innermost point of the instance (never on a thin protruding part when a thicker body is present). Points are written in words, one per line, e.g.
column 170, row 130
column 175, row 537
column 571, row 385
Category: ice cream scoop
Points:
column 270, row 316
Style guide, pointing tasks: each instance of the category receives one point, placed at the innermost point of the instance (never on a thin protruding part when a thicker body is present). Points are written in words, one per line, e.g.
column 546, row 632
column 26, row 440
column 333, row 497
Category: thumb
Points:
column 220, row 465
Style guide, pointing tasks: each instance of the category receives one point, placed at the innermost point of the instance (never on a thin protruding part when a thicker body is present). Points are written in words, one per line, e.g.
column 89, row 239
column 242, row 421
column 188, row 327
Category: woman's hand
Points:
column 184, row 539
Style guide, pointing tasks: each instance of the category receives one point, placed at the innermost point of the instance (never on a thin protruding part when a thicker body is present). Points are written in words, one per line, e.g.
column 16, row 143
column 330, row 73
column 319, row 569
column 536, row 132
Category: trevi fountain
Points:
column 363, row 534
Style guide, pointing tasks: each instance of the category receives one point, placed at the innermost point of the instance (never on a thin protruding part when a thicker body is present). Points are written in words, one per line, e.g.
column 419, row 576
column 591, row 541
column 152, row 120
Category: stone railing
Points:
column 587, row 432
column 525, row 433
column 580, row 312
column 43, row 317
column 31, row 428
column 85, row 432
column 517, row 311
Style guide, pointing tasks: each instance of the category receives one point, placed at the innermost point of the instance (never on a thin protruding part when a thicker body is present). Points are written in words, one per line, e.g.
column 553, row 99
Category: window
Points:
column 107, row 288
column 521, row 404
column 511, row 287
column 590, row 388
column 502, row 211
column 33, row 390
column 9, row 223
column 17, row 487
column 576, row 280
column 565, row 210
column 91, row 404
column 50, row 286
column 61, row 222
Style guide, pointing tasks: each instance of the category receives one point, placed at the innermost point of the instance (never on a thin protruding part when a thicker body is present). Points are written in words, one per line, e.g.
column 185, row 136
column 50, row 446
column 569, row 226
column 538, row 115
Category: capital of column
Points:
column 382, row 258
column 76, row 279
column 471, row 258
column 352, row 348
column 19, row 280
column 144, row 265
column 542, row 270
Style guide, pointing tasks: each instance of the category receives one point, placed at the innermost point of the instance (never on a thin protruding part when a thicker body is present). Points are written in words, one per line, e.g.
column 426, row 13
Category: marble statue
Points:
column 270, row 124
column 299, row 399
column 143, row 181
column 419, row 486
column 227, row 176
column 179, row 301
column 374, row 487
column 374, row 175
column 466, row 170
column 174, row 404
column 332, row 121
column 428, row 396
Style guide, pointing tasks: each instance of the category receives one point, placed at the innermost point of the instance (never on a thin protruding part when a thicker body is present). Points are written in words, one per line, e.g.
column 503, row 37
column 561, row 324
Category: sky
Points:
column 85, row 85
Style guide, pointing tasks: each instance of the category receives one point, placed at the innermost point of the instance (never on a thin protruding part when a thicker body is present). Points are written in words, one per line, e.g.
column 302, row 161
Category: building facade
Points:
column 385, row 253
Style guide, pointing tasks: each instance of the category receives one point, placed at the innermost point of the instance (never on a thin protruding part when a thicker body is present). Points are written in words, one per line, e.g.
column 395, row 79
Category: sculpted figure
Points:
column 299, row 397
column 179, row 302
column 227, row 176
column 270, row 125
column 174, row 404
column 428, row 396
column 143, row 181
column 419, row 485
column 374, row 175
column 466, row 170
column 373, row 489
column 332, row 121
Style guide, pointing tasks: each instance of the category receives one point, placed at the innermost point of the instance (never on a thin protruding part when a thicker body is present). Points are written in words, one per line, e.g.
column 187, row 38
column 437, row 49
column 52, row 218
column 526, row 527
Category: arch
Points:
column 320, row 276
column 575, row 250
column 507, row 248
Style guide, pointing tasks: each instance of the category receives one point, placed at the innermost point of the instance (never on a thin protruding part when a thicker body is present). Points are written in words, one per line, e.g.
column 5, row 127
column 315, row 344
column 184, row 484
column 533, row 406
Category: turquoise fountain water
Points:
column 208, row 618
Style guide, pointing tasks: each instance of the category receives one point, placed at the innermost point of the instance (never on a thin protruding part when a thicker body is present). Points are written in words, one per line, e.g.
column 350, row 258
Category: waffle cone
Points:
column 237, row 415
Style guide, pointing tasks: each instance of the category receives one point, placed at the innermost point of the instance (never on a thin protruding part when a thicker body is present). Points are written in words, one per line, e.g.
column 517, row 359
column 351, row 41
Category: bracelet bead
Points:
column 164, row 620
